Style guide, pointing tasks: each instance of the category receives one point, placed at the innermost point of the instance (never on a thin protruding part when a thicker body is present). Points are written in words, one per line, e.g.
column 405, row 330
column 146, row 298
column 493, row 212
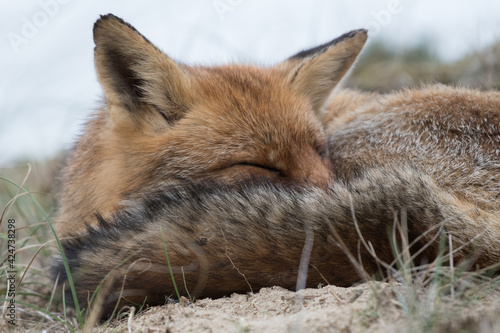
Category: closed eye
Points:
column 255, row 165
column 322, row 151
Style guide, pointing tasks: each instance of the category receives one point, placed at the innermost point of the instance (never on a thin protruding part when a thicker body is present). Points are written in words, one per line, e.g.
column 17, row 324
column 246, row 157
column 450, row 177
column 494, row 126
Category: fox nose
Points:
column 312, row 170
column 320, row 175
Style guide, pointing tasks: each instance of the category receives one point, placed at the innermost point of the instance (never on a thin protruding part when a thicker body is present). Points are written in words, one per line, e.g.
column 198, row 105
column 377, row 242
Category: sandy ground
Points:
column 328, row 309
column 370, row 307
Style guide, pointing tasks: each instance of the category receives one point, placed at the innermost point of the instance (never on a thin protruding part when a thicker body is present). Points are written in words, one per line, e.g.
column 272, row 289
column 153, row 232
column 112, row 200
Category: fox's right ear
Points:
column 314, row 73
column 134, row 73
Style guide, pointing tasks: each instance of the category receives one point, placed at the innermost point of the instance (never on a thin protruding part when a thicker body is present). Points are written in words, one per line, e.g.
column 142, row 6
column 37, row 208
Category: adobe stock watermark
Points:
column 224, row 6
column 31, row 26
column 383, row 17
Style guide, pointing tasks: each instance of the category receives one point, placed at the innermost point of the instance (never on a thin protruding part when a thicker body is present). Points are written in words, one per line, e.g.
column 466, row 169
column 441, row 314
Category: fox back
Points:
column 451, row 134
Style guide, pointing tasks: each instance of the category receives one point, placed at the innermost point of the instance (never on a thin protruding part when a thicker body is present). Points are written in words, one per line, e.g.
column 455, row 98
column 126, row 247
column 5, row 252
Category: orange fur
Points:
column 164, row 122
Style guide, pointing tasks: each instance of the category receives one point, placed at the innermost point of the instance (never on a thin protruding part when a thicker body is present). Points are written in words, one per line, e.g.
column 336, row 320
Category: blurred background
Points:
column 48, row 87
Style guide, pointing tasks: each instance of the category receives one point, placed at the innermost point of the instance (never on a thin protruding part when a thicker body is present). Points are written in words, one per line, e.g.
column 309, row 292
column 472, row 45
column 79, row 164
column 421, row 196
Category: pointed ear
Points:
column 134, row 73
column 315, row 72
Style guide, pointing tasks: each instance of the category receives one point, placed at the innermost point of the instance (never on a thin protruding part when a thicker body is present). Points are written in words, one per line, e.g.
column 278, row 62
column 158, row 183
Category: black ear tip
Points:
column 323, row 47
column 362, row 32
column 110, row 22
column 102, row 19
column 109, row 17
column 350, row 34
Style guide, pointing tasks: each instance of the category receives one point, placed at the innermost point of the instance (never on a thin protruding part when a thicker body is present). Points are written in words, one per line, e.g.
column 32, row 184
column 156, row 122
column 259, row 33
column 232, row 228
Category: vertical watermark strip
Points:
column 11, row 272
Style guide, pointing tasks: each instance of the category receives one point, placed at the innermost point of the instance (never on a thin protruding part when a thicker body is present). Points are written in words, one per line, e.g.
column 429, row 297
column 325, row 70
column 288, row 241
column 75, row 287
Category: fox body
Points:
column 246, row 177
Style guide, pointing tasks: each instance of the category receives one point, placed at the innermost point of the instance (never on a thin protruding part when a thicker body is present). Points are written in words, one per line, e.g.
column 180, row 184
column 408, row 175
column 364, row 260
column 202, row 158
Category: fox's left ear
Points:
column 315, row 72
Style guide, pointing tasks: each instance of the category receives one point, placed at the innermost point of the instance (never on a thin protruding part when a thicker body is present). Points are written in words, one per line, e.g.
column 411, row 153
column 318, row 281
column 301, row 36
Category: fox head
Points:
column 166, row 121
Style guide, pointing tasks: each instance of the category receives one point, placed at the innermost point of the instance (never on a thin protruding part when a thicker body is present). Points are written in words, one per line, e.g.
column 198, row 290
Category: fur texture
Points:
column 234, row 238
column 235, row 170
column 165, row 122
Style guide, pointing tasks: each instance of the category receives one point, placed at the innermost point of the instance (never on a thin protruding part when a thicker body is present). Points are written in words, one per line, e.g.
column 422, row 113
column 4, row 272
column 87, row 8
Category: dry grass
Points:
column 33, row 248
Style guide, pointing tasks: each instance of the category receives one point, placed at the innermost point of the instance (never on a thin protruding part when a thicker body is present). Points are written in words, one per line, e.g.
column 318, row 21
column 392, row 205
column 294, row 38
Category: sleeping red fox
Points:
column 246, row 176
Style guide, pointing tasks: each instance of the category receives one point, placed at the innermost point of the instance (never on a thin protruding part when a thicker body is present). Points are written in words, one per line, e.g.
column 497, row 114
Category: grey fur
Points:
column 224, row 236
